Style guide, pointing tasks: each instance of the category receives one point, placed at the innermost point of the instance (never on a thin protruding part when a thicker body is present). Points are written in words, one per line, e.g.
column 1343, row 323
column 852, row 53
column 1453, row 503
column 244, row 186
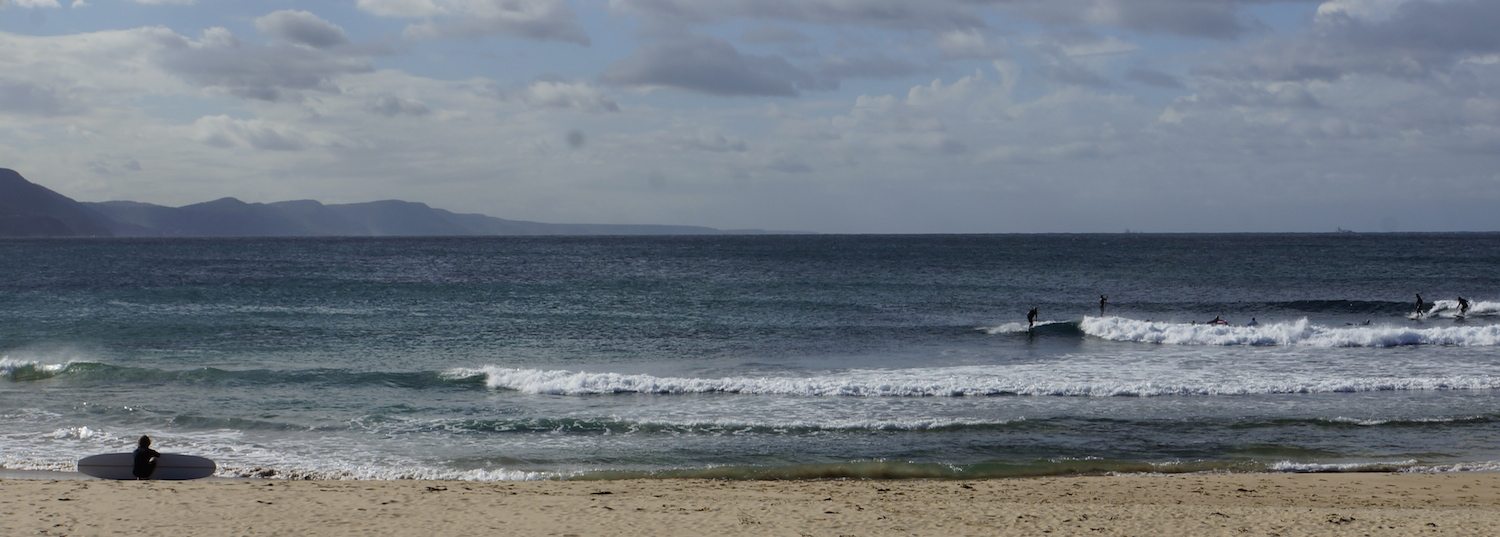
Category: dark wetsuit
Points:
column 145, row 463
column 1463, row 306
column 1031, row 318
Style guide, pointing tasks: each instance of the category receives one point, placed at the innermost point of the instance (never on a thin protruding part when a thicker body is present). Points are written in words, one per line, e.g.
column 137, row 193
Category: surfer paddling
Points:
column 1031, row 318
column 1219, row 321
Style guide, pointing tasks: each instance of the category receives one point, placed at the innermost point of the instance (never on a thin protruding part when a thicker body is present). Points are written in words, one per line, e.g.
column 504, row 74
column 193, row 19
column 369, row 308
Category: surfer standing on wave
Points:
column 1102, row 301
column 1419, row 305
column 1031, row 318
column 1463, row 306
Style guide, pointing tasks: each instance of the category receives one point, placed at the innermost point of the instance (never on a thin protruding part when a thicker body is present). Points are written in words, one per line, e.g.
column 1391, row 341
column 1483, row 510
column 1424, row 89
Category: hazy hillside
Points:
column 31, row 210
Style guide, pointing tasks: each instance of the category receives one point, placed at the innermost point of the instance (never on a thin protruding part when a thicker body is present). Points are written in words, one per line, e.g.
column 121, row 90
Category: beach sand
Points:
column 1216, row 504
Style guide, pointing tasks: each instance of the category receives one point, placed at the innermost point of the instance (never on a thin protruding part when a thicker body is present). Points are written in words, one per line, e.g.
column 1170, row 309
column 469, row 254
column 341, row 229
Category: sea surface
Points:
column 755, row 356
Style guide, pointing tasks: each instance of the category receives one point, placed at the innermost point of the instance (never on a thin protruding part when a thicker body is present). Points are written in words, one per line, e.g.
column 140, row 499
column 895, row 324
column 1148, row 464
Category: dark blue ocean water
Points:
column 764, row 356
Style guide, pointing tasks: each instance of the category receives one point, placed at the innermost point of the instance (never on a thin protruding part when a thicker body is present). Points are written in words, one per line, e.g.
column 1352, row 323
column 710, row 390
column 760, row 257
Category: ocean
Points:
column 755, row 356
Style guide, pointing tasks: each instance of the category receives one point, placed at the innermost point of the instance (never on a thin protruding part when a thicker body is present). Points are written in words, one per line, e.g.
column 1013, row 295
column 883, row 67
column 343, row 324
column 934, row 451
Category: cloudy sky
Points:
column 863, row 116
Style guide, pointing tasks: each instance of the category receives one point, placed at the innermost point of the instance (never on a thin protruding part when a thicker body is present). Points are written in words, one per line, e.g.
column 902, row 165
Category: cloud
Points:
column 166, row 2
column 301, row 27
column 774, row 35
column 938, row 14
column 218, row 60
column 227, row 132
column 410, row 9
column 868, row 66
column 1196, row 18
column 575, row 95
column 547, row 20
column 391, row 106
column 26, row 98
column 32, row 4
column 1220, row 19
column 1410, row 40
column 967, row 43
column 711, row 66
column 224, row 131
column 1152, row 77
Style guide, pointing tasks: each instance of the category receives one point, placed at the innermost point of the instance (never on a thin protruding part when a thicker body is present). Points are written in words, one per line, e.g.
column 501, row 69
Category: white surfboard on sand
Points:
column 174, row 466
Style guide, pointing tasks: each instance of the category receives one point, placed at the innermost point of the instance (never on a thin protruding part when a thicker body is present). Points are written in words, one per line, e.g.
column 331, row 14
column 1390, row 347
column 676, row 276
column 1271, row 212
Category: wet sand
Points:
column 1215, row 504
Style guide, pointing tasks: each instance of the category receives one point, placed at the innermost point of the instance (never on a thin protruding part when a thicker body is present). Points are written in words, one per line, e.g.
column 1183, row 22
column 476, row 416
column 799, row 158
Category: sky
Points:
column 835, row 116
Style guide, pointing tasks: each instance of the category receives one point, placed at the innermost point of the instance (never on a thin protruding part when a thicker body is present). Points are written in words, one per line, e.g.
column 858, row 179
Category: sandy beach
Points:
column 1219, row 504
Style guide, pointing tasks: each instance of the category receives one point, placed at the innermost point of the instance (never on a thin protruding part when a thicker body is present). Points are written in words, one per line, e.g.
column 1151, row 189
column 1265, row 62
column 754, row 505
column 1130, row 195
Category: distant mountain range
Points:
column 31, row 210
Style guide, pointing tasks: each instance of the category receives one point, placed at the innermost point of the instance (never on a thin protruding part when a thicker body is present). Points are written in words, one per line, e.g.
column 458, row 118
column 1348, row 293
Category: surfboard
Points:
column 173, row 466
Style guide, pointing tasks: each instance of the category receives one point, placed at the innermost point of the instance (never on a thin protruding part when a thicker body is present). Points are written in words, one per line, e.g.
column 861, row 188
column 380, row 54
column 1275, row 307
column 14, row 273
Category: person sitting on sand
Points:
column 145, row 459
column 1463, row 306
column 1031, row 318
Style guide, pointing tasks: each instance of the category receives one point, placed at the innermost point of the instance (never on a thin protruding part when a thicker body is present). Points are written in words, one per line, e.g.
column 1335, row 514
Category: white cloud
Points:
column 224, row 131
column 219, row 61
column 574, row 95
column 32, row 4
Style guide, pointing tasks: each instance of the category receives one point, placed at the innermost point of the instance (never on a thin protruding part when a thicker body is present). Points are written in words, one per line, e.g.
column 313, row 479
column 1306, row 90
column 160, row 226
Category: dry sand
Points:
column 1236, row 504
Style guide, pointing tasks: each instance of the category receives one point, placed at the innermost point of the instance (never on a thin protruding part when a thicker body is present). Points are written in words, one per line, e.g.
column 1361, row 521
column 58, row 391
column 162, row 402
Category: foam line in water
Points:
column 1312, row 467
column 952, row 382
column 1294, row 333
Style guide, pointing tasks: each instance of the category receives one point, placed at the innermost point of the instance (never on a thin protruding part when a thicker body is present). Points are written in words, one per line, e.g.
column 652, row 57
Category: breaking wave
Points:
column 946, row 382
column 1449, row 309
column 1295, row 333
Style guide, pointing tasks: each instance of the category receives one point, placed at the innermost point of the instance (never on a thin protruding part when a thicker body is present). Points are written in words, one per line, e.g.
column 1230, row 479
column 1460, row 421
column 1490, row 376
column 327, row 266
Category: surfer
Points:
column 1031, row 318
column 1219, row 320
column 1463, row 306
column 1419, row 305
column 145, row 459
column 1102, row 301
column 1252, row 322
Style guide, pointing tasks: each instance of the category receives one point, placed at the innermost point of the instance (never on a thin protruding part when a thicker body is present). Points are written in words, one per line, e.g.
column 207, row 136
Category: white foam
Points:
column 1295, row 333
column 1379, row 422
column 9, row 367
column 1485, row 466
column 1014, row 328
column 1307, row 467
column 1449, row 309
column 60, row 449
column 1031, row 380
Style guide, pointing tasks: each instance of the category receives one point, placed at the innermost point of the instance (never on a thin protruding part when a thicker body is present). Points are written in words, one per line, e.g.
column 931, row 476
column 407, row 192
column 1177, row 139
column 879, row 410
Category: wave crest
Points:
column 1295, row 333
column 941, row 382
